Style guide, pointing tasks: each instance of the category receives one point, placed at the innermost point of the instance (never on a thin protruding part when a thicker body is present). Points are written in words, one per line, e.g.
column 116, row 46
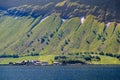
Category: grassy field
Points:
column 107, row 60
column 50, row 59
column 7, row 60
column 47, row 58
column 44, row 58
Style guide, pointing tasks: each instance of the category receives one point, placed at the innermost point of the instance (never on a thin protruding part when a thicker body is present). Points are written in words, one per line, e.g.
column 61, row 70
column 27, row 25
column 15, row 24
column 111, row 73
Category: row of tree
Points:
column 76, row 59
column 9, row 55
column 97, row 53
column 16, row 55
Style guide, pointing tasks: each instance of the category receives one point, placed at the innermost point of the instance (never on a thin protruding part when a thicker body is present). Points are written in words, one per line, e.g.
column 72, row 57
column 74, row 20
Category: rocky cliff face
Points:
column 107, row 10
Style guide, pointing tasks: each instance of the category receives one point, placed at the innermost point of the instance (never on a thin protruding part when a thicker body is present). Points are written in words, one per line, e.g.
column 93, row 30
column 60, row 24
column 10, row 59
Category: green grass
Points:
column 107, row 60
column 12, row 30
column 64, row 32
column 50, row 59
column 111, row 43
column 70, row 35
column 47, row 58
column 7, row 60
column 42, row 58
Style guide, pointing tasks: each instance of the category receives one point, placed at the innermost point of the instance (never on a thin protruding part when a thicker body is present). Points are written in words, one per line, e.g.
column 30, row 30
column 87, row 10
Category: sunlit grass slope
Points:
column 54, row 35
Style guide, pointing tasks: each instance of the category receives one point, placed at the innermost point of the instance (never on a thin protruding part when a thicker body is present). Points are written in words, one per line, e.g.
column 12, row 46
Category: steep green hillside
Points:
column 60, row 27
column 12, row 29
column 54, row 35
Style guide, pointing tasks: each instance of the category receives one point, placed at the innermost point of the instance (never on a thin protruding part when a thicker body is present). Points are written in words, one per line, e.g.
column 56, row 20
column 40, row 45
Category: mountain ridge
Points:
column 66, row 8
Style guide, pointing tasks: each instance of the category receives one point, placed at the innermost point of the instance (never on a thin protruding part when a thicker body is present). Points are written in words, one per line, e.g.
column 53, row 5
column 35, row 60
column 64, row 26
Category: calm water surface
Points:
column 89, row 72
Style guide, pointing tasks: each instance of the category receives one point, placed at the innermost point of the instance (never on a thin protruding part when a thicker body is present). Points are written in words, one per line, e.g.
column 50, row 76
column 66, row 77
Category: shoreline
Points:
column 65, row 65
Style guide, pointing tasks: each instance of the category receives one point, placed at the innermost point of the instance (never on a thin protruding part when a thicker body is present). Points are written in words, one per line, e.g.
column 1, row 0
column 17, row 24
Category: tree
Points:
column 28, row 35
column 87, row 58
column 42, row 40
column 98, row 58
column 51, row 35
column 66, row 42
column 15, row 56
column 33, row 49
column 101, row 53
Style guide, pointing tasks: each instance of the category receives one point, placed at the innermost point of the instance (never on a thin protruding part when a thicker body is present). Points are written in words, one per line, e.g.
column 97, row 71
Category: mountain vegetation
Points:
column 33, row 27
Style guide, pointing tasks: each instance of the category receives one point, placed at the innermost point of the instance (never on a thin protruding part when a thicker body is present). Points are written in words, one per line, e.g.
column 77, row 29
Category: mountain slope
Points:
column 59, row 27
column 54, row 35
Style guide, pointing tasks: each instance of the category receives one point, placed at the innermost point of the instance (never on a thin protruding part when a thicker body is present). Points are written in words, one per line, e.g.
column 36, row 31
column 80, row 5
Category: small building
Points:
column 30, row 62
column 56, row 63
column 11, row 63
column 44, row 63
column 37, row 62
column 18, row 63
column 24, row 62
column 27, row 62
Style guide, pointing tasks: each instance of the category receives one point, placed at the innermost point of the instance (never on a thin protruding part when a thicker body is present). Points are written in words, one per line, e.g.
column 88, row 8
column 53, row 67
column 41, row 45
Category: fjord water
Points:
column 88, row 72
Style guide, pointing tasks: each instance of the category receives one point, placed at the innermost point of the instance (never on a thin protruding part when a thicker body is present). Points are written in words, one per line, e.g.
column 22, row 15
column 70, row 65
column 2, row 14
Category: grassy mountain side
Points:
column 39, row 36
column 55, row 27
column 112, row 44
column 54, row 35
column 61, row 38
column 12, row 28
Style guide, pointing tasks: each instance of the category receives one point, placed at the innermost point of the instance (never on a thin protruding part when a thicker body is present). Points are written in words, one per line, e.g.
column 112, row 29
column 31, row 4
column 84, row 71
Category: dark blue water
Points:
column 89, row 72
